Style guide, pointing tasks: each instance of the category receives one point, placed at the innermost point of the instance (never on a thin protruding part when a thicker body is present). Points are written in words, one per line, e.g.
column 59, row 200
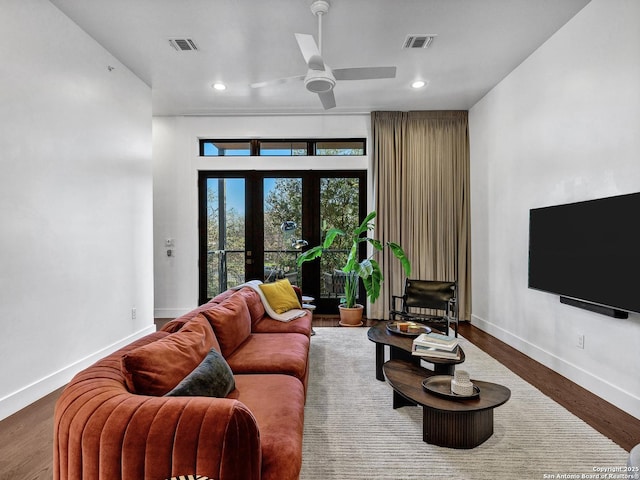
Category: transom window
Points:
column 284, row 148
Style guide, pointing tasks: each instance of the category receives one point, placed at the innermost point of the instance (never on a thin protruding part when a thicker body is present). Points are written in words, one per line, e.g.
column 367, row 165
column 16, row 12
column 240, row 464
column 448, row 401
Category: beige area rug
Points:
column 352, row 432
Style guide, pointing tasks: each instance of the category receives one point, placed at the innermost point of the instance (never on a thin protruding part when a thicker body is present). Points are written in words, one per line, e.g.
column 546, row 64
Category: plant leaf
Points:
column 331, row 236
column 352, row 259
column 400, row 255
column 373, row 281
column 364, row 226
column 365, row 268
column 376, row 243
column 309, row 255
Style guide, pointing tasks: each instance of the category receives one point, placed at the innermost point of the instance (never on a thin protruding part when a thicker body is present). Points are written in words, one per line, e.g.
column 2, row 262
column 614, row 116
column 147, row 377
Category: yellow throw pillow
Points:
column 280, row 295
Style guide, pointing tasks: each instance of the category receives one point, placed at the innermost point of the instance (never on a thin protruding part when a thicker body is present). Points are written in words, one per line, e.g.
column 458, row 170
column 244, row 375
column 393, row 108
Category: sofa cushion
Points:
column 277, row 403
column 254, row 303
column 280, row 295
column 176, row 324
column 285, row 353
column 212, row 378
column 157, row 367
column 297, row 325
column 222, row 296
column 231, row 323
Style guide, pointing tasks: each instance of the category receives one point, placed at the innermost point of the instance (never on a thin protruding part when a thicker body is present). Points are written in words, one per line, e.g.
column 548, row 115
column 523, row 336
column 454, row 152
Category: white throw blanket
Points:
column 282, row 317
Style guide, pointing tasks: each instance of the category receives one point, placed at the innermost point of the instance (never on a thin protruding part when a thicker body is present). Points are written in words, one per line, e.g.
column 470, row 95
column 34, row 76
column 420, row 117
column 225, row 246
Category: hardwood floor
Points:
column 609, row 420
column 26, row 441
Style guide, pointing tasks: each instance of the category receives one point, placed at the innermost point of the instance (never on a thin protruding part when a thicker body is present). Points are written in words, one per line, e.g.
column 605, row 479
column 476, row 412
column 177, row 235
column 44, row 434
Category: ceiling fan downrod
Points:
column 319, row 8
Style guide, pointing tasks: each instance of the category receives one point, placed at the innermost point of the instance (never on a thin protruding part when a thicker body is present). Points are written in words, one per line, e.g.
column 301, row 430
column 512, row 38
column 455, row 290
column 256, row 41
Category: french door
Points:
column 253, row 225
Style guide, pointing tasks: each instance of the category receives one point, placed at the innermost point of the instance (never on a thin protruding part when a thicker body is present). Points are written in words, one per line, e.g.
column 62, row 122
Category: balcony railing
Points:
column 226, row 269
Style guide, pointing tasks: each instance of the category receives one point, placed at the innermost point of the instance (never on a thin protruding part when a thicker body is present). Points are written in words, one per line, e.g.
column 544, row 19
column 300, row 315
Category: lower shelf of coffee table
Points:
column 447, row 423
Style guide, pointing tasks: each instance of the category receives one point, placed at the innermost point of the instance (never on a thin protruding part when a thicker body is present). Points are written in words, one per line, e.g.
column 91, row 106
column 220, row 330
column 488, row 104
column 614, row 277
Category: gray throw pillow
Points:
column 212, row 378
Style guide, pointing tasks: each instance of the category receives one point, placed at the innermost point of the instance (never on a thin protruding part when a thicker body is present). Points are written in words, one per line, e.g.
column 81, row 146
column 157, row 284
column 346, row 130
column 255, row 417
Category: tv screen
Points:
column 588, row 251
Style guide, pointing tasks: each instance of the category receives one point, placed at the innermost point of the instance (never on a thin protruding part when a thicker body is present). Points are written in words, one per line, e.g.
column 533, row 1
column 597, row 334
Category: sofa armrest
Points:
column 298, row 291
column 105, row 433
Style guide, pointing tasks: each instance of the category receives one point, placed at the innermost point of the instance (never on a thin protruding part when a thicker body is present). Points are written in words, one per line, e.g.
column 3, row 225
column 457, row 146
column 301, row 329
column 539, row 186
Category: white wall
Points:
column 563, row 127
column 176, row 163
column 75, row 202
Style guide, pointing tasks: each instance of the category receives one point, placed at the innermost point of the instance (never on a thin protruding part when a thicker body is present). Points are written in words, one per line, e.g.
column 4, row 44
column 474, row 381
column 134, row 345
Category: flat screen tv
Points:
column 588, row 253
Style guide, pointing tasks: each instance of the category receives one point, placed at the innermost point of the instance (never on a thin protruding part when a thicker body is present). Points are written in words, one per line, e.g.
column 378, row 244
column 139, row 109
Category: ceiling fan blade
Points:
column 277, row 81
column 310, row 51
column 328, row 99
column 364, row 73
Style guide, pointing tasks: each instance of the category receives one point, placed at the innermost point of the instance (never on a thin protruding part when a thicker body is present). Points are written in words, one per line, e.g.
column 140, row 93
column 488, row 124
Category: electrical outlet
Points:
column 580, row 343
column 133, row 313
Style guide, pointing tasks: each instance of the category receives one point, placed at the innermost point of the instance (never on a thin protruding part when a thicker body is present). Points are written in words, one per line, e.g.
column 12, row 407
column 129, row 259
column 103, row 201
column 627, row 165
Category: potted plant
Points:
column 368, row 269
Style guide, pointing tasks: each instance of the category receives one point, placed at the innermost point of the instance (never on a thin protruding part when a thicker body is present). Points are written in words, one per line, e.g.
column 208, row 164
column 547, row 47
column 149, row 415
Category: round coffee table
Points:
column 459, row 423
column 400, row 348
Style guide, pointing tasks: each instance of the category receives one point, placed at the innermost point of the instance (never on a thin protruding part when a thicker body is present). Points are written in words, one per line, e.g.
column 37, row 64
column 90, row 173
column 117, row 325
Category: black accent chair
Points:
column 431, row 302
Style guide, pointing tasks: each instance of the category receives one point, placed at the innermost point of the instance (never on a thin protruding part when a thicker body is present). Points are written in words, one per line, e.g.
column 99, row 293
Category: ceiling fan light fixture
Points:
column 418, row 84
column 319, row 81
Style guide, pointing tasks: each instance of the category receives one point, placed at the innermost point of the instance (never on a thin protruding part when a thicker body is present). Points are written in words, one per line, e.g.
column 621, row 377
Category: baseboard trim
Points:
column 611, row 393
column 28, row 394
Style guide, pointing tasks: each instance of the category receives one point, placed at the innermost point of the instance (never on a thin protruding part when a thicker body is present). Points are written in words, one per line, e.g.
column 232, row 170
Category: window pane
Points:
column 340, row 148
column 225, row 234
column 282, row 228
column 283, row 148
column 339, row 204
column 297, row 147
column 226, row 149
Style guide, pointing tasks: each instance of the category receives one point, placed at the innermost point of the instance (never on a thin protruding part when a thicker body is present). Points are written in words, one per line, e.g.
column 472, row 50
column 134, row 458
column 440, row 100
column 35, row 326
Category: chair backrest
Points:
column 334, row 282
column 428, row 294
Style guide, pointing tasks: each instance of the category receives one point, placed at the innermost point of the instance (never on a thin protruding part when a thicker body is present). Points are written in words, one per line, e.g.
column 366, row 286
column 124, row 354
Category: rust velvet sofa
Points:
column 121, row 419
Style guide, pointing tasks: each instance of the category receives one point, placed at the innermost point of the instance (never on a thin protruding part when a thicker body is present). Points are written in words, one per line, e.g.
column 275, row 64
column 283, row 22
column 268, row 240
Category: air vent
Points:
column 418, row 41
column 183, row 44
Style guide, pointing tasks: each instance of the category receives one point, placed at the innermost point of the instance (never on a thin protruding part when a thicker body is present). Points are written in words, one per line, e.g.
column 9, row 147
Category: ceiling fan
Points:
column 320, row 78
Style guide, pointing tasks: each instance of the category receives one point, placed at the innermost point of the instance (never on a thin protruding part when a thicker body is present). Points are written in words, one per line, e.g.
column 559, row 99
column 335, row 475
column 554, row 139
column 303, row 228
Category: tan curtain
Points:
column 421, row 194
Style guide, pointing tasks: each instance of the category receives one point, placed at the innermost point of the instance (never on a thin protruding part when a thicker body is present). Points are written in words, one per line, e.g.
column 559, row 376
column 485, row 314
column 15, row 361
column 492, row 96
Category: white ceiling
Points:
column 245, row 41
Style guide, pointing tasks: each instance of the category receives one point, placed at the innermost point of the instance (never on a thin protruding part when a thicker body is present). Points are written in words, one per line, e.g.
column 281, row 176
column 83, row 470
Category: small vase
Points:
column 352, row 316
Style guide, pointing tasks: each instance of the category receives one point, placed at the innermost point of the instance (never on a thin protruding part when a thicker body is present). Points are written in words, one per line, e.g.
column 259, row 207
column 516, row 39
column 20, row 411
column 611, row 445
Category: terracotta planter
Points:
column 351, row 317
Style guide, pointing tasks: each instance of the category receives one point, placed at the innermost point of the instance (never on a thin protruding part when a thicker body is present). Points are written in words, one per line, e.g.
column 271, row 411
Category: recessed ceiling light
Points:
column 219, row 86
column 418, row 84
